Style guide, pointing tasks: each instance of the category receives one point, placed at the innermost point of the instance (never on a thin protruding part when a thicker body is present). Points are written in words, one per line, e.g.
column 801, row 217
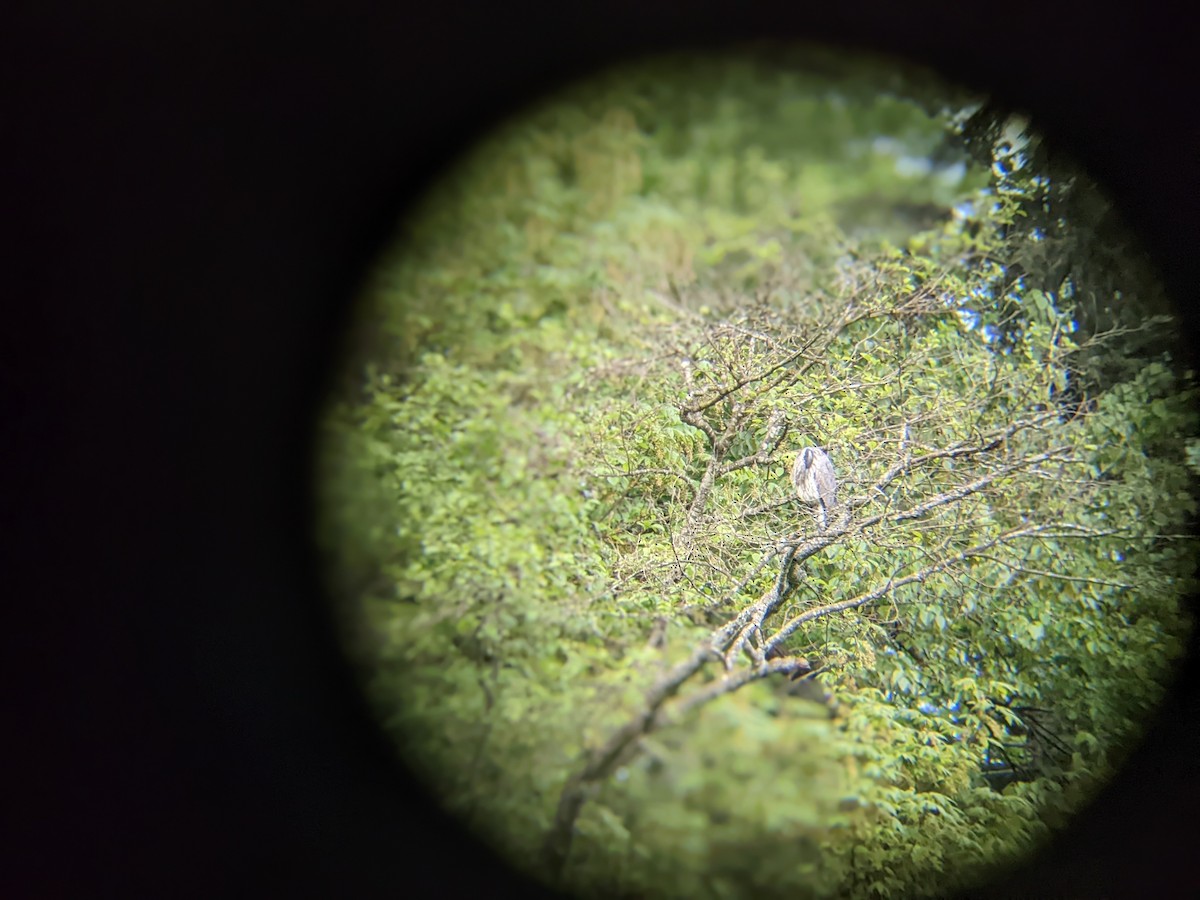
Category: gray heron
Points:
column 815, row 482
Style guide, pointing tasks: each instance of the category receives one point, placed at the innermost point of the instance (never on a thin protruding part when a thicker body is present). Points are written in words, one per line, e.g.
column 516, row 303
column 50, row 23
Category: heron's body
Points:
column 815, row 482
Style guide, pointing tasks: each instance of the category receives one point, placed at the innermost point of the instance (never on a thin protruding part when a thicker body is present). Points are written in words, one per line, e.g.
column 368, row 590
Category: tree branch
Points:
column 919, row 576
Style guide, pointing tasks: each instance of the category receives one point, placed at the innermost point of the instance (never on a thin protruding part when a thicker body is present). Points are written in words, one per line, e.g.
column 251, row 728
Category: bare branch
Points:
column 974, row 487
column 892, row 584
column 1057, row 576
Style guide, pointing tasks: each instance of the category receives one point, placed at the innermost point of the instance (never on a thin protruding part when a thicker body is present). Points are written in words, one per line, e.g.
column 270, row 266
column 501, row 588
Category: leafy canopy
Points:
column 586, row 601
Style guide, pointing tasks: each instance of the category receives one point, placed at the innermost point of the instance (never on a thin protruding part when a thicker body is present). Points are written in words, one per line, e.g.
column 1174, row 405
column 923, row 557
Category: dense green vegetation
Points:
column 586, row 602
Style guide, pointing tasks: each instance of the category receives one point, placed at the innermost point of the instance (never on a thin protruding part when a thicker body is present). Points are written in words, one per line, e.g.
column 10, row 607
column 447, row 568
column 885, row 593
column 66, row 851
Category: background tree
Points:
column 586, row 599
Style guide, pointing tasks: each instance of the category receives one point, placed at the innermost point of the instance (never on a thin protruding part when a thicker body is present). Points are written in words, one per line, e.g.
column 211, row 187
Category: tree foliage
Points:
column 588, row 604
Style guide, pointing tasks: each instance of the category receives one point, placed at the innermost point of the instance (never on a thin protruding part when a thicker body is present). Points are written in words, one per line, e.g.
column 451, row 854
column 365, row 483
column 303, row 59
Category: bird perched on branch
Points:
column 815, row 482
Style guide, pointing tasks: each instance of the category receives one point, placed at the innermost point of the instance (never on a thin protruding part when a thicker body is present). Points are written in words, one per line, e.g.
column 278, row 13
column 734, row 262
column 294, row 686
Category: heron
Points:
column 815, row 482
